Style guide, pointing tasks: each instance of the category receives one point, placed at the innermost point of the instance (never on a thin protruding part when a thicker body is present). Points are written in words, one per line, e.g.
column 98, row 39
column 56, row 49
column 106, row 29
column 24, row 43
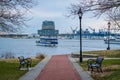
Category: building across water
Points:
column 48, row 34
column 86, row 34
column 48, row 29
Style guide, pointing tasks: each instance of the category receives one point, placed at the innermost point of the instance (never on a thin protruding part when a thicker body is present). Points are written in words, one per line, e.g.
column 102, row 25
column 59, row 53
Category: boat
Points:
column 112, row 40
column 48, row 34
column 47, row 42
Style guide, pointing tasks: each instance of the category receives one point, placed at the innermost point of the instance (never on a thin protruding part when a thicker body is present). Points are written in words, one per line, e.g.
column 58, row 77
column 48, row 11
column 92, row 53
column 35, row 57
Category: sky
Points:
column 56, row 10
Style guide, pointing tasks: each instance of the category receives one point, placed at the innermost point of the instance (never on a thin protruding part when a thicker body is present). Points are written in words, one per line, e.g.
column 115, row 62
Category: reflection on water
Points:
column 27, row 47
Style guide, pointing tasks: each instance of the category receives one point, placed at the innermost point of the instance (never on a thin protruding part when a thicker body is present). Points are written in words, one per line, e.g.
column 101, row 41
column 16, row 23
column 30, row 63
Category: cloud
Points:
column 39, row 13
column 96, row 24
column 56, row 10
column 51, row 8
column 45, row 14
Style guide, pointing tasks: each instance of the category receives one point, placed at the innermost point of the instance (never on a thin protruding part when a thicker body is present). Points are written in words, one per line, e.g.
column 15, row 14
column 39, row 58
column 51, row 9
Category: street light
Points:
column 80, row 17
column 108, row 48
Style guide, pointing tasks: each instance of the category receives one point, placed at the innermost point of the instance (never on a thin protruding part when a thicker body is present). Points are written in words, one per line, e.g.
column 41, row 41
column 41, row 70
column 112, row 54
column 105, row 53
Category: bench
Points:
column 95, row 63
column 24, row 62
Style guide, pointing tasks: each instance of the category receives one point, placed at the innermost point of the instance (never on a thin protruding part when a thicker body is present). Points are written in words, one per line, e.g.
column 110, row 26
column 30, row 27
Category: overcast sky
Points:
column 55, row 10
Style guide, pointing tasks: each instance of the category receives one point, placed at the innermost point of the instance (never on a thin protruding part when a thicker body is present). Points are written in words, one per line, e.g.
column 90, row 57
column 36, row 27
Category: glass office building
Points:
column 48, row 29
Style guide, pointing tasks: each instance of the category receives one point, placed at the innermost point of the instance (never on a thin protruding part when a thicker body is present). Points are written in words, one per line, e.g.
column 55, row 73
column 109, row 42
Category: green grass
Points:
column 105, row 53
column 9, row 69
column 111, row 70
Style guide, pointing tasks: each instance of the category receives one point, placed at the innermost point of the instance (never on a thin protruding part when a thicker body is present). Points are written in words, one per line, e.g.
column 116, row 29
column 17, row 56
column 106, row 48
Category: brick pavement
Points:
column 59, row 67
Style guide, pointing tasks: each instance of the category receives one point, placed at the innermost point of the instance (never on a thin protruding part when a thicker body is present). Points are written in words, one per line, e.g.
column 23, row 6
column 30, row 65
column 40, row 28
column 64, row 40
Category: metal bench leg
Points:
column 19, row 66
column 97, row 69
column 91, row 69
column 101, row 69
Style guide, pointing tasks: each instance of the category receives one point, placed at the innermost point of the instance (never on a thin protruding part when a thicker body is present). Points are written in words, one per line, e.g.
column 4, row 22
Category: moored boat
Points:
column 112, row 41
column 47, row 42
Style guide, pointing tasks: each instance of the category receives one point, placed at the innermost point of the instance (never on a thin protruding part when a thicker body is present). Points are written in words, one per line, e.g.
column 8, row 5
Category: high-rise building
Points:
column 48, row 29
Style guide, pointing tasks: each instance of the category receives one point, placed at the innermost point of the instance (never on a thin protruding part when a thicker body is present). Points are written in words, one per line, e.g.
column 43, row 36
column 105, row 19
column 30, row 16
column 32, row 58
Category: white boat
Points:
column 112, row 40
column 47, row 42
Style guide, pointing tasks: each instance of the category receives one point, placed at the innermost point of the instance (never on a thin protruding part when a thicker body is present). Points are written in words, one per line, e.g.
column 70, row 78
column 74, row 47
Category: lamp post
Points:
column 80, row 18
column 108, row 48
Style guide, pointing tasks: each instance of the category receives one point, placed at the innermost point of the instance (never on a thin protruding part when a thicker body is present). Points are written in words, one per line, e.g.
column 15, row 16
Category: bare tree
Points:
column 99, row 7
column 114, row 17
column 12, row 14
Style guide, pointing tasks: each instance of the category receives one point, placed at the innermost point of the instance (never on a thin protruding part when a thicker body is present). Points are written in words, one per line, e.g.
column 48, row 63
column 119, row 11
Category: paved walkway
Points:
column 59, row 68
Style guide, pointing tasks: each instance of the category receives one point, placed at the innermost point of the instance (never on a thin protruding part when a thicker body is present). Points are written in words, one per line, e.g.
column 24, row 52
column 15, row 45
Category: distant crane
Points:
column 115, row 29
column 92, row 29
column 74, row 30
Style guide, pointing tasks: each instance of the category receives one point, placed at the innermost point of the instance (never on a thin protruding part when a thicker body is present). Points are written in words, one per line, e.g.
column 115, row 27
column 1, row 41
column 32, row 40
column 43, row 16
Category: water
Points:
column 28, row 48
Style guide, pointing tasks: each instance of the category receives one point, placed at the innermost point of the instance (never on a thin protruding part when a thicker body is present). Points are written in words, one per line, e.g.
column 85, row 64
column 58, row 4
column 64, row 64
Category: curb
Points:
column 83, row 74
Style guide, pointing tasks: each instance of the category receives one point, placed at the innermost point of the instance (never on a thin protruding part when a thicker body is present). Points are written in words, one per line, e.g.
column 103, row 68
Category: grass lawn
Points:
column 105, row 53
column 111, row 68
column 9, row 69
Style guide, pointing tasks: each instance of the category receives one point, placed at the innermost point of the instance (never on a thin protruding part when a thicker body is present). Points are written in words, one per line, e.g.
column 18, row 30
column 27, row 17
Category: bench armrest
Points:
column 91, row 61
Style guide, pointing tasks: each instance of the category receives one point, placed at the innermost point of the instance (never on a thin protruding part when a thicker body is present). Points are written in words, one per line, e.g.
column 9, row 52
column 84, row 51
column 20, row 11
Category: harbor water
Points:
column 28, row 48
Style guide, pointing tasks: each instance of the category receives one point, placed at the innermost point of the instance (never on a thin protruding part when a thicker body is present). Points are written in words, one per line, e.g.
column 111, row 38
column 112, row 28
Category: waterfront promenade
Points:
column 57, row 67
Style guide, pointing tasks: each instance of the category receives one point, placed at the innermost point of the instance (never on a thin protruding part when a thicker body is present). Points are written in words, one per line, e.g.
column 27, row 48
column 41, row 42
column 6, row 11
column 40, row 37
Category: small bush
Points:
column 40, row 56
